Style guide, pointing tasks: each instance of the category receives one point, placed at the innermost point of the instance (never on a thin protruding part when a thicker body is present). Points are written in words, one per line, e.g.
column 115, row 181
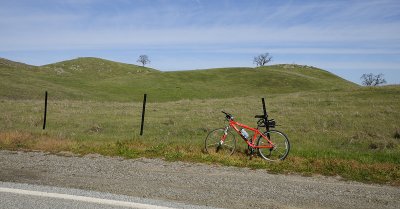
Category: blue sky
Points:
column 347, row 38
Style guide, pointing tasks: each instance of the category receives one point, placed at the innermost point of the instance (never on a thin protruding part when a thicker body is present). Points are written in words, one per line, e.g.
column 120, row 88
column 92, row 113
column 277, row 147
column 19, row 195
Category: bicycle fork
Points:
column 222, row 139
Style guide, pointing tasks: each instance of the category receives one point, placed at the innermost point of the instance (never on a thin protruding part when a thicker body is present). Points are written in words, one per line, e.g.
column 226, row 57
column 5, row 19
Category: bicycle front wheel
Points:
column 280, row 149
column 213, row 143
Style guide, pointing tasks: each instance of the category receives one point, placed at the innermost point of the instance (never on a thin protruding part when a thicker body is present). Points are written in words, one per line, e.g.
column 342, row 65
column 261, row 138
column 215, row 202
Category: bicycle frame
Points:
column 233, row 124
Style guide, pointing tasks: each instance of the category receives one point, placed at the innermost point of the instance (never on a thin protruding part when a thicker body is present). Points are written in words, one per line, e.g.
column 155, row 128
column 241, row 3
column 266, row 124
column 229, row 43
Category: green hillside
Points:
column 5, row 63
column 103, row 80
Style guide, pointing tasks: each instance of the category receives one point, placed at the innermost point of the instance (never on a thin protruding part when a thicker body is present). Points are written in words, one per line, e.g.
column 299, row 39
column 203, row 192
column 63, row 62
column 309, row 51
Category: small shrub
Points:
column 95, row 128
column 396, row 134
column 373, row 146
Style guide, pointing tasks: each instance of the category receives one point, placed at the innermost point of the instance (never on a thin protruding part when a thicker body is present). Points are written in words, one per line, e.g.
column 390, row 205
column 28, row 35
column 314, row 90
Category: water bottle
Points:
column 244, row 133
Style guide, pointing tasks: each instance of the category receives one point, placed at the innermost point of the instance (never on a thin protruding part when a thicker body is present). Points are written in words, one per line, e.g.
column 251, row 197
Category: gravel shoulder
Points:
column 192, row 183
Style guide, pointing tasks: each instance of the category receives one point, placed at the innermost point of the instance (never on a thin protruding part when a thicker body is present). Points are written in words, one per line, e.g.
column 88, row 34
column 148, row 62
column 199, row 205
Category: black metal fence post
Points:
column 45, row 111
column 143, row 111
column 263, row 104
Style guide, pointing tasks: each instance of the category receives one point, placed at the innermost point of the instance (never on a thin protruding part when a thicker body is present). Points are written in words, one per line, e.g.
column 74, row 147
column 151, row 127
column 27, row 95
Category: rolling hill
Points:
column 103, row 80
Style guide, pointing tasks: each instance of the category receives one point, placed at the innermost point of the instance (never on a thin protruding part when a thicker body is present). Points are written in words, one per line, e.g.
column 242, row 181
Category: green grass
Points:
column 335, row 127
column 332, row 133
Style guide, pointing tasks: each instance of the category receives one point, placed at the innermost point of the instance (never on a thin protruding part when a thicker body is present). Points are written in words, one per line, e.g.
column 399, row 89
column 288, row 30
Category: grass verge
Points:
column 352, row 134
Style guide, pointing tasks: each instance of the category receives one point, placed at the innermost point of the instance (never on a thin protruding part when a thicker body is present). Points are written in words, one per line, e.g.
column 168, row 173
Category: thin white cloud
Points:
column 358, row 65
column 171, row 24
column 303, row 50
column 60, row 39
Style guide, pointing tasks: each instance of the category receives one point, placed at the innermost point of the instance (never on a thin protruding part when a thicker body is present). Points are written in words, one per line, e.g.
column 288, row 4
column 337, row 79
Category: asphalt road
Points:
column 191, row 183
column 26, row 196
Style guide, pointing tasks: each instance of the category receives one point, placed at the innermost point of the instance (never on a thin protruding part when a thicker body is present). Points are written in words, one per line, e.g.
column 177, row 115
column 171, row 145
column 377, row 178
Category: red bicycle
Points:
column 271, row 145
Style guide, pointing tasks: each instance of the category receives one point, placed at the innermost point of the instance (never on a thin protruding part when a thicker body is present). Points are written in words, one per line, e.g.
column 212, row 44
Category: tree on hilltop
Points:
column 372, row 80
column 262, row 59
column 144, row 59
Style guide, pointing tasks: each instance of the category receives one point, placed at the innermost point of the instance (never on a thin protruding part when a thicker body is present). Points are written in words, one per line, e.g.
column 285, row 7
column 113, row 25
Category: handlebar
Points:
column 227, row 115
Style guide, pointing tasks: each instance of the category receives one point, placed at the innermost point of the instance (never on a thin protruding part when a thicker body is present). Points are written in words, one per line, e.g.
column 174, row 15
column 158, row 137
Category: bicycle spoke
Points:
column 213, row 143
column 281, row 146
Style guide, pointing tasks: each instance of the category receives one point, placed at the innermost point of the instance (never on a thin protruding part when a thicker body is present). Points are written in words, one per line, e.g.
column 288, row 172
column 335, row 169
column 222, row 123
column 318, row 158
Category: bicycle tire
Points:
column 281, row 146
column 212, row 143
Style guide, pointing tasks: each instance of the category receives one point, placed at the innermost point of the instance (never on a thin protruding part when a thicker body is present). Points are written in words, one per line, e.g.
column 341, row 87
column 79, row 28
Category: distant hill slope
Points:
column 99, row 79
column 90, row 66
column 5, row 63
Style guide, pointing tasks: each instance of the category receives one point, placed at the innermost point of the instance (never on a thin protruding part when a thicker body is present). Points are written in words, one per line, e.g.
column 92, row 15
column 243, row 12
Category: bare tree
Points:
column 144, row 59
column 262, row 59
column 372, row 80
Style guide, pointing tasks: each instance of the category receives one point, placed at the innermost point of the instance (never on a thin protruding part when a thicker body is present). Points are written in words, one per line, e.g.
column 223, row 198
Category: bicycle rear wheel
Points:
column 213, row 143
column 280, row 149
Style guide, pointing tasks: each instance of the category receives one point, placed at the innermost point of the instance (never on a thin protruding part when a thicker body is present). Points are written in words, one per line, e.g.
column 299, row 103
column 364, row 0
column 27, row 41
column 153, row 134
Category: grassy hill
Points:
column 5, row 63
column 104, row 80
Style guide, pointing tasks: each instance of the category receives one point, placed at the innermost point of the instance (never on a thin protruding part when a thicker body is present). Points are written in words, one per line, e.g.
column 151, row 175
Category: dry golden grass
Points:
column 23, row 140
